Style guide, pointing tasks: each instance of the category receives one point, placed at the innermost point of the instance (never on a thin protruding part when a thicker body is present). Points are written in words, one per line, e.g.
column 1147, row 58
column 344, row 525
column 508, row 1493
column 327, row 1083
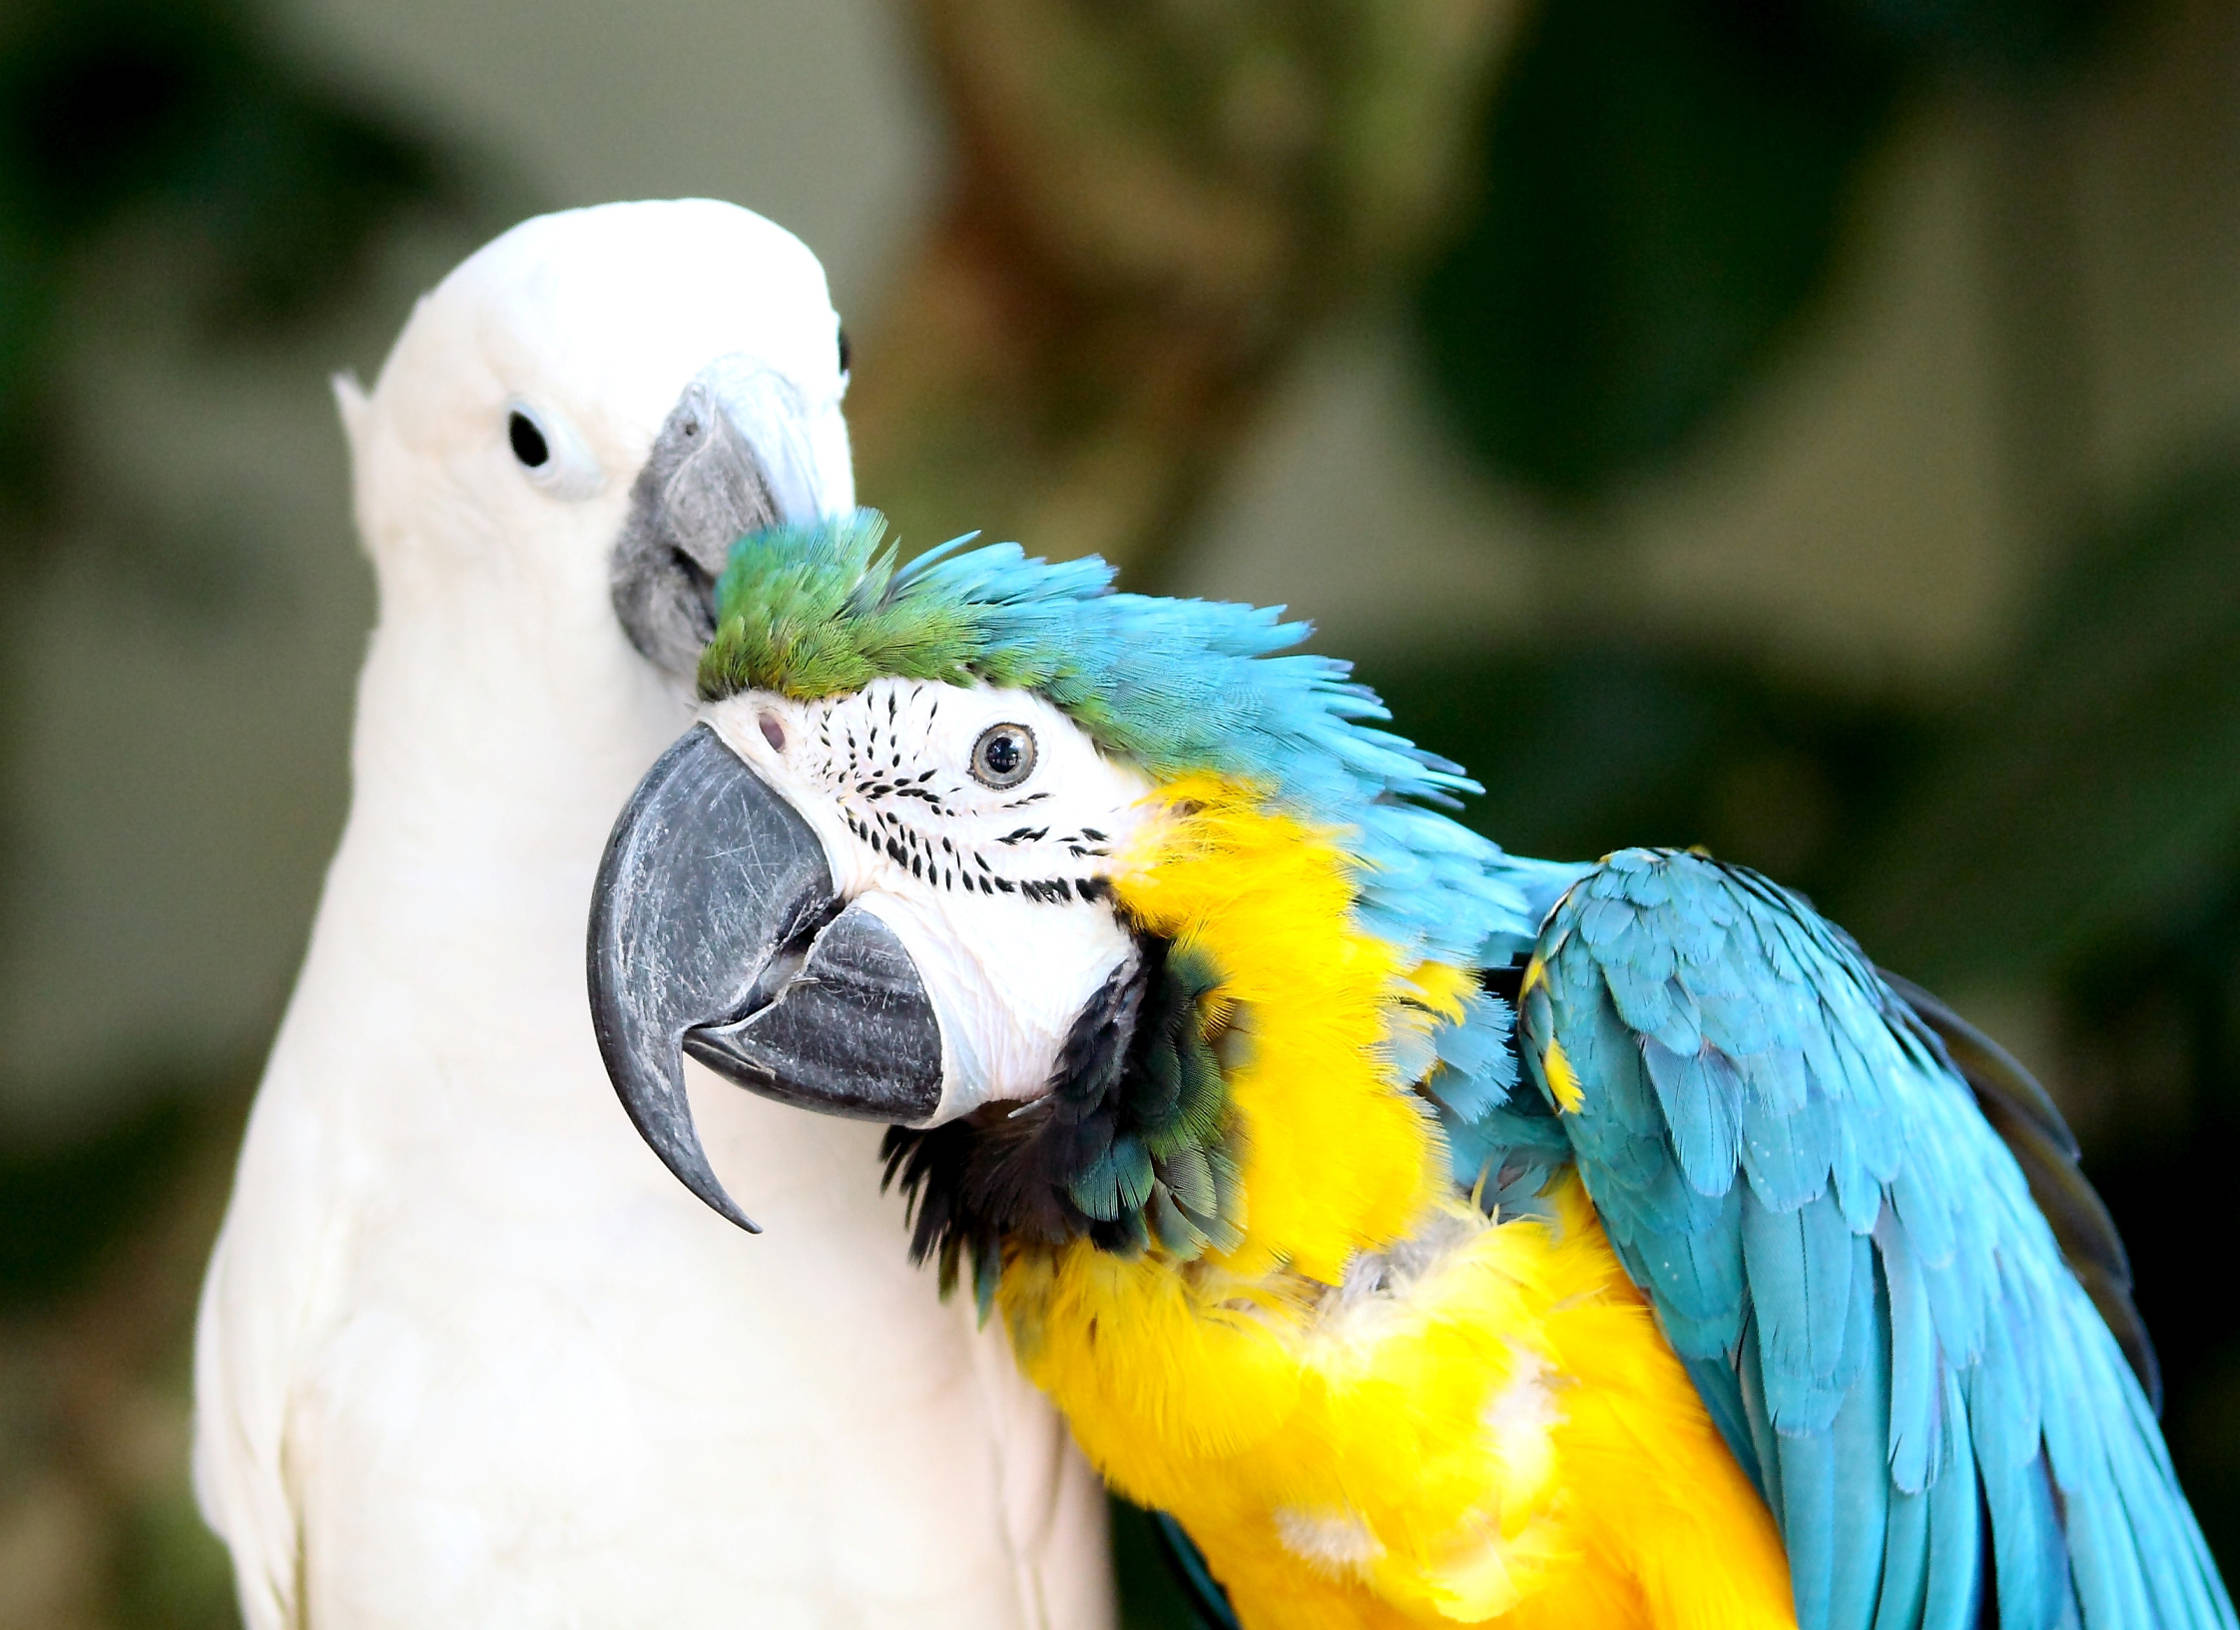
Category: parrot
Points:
column 465, row 1354
column 1438, row 1236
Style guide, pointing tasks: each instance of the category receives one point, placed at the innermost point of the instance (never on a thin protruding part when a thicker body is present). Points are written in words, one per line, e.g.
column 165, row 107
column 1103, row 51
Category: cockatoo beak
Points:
column 716, row 930
column 738, row 453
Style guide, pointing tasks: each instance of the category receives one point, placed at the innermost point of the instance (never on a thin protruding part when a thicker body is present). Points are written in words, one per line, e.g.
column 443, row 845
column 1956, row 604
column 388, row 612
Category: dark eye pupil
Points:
column 528, row 441
column 1004, row 755
column 844, row 352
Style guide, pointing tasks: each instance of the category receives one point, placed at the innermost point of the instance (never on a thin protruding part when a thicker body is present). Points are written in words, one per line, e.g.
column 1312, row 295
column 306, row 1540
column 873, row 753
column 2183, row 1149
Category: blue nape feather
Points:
column 1181, row 686
column 1176, row 686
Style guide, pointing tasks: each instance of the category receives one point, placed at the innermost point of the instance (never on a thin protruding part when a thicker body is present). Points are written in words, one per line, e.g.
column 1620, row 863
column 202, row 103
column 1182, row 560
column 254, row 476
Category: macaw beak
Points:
column 737, row 454
column 716, row 930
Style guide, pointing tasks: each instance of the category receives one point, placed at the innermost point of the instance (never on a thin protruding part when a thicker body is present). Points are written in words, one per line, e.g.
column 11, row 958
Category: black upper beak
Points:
column 716, row 930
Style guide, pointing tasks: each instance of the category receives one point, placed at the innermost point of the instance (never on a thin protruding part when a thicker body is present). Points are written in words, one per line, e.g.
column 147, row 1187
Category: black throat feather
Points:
column 1132, row 1144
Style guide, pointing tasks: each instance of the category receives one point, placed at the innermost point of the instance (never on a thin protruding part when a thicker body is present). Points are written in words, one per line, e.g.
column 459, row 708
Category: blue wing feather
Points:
column 1862, row 1503
column 1954, row 1588
column 1905, row 1564
column 1848, row 1259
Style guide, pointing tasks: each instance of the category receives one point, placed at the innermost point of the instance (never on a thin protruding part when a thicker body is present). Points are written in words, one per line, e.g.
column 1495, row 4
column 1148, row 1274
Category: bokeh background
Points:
column 1809, row 428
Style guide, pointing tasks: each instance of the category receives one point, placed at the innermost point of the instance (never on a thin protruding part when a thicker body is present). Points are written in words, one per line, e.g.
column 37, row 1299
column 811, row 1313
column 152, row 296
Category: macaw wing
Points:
column 2030, row 1125
column 1850, row 1263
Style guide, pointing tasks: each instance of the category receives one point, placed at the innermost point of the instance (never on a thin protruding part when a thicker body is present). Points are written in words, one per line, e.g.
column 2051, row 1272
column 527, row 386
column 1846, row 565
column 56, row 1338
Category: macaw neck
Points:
column 1251, row 1115
column 1319, row 1003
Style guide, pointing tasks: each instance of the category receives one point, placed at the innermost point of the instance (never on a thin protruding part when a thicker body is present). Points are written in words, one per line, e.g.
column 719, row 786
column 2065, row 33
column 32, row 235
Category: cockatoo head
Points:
column 577, row 423
column 978, row 844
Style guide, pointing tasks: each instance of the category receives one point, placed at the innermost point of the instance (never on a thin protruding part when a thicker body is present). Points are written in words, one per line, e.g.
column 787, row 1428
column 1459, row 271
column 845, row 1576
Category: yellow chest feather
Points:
column 1380, row 1408
column 1498, row 1434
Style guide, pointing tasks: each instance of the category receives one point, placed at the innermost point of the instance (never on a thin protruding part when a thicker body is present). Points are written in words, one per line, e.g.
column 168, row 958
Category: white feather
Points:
column 467, row 1353
column 1339, row 1543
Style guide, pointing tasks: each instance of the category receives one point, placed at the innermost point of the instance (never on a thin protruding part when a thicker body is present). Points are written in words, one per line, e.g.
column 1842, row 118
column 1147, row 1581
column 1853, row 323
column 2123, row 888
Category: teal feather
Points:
column 1922, row 1386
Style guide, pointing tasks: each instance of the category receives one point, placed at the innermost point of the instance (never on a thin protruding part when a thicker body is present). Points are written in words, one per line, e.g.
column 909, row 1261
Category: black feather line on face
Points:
column 1131, row 1145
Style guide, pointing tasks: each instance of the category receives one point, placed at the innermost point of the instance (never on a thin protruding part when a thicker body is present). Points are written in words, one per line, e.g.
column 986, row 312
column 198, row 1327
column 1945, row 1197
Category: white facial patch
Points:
column 980, row 825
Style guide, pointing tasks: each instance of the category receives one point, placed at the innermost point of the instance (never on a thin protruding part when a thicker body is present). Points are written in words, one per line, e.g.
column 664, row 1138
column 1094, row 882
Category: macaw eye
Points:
column 1003, row 756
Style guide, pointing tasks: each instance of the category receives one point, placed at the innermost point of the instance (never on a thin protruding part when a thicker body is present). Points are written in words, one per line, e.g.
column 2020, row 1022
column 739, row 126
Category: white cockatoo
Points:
column 467, row 1355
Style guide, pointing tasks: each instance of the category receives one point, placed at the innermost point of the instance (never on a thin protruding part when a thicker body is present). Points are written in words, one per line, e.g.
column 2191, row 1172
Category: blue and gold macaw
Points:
column 1442, row 1237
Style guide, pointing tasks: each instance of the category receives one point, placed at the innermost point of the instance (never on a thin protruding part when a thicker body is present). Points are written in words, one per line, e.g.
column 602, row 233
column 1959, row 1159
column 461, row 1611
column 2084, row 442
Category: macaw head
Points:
column 1071, row 887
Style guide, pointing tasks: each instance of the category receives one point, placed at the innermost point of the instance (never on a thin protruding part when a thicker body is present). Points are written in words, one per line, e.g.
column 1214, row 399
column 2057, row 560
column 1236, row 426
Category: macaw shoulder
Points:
column 1689, row 951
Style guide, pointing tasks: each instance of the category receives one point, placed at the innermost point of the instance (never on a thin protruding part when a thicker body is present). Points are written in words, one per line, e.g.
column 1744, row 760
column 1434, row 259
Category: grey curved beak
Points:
column 716, row 931
column 735, row 455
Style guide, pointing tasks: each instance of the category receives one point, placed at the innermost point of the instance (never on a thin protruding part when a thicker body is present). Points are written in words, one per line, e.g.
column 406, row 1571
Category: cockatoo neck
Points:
column 497, row 737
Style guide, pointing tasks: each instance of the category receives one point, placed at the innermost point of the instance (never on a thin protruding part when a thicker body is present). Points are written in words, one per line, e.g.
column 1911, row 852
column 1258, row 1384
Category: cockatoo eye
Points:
column 550, row 453
column 1003, row 756
column 528, row 441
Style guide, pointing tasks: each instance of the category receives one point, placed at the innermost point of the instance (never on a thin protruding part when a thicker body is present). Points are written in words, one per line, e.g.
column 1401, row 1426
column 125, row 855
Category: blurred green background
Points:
column 1805, row 427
